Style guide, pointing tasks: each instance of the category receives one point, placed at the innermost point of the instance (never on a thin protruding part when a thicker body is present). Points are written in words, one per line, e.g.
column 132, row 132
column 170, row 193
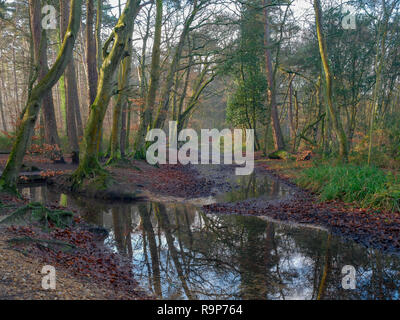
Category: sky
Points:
column 299, row 6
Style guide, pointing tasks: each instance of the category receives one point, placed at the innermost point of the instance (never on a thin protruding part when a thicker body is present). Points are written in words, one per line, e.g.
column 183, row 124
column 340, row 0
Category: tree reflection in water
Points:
column 181, row 253
column 178, row 252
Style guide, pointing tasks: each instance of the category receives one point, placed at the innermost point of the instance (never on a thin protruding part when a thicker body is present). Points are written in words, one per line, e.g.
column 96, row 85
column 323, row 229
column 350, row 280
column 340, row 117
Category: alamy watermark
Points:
column 49, row 21
column 349, row 21
column 349, row 279
column 236, row 147
column 49, row 279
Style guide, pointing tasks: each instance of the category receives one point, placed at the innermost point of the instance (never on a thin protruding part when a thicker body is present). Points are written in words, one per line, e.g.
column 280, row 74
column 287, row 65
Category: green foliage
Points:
column 246, row 103
column 367, row 186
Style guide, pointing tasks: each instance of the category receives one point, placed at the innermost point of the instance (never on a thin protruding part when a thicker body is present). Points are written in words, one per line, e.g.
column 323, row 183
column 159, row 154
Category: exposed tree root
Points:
column 119, row 162
column 37, row 212
column 90, row 175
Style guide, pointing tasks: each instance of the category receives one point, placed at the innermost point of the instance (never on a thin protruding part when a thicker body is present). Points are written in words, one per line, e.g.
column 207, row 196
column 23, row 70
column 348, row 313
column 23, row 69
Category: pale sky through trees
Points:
column 299, row 5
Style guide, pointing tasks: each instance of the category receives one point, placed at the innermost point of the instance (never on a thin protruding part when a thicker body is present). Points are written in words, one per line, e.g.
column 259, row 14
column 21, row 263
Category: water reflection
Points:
column 178, row 252
column 254, row 186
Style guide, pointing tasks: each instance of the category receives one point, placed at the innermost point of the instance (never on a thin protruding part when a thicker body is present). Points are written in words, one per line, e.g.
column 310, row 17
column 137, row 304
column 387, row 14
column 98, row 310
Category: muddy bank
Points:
column 85, row 267
column 141, row 181
column 372, row 228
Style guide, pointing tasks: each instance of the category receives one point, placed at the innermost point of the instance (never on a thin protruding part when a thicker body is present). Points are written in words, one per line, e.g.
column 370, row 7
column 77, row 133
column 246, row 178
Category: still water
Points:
column 178, row 252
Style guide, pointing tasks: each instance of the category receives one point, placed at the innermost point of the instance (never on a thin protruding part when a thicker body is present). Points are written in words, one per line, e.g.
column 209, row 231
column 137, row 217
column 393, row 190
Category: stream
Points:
column 179, row 252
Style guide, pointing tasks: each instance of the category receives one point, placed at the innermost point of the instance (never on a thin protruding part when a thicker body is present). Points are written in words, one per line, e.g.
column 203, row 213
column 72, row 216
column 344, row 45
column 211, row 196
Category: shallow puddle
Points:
column 178, row 252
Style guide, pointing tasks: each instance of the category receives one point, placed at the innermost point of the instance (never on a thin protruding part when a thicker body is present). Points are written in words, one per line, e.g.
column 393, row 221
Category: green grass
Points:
column 366, row 186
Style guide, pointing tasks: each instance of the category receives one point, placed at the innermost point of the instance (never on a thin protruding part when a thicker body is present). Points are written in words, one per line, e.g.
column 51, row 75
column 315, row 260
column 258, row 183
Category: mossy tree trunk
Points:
column 89, row 164
column 8, row 180
column 334, row 114
column 120, row 106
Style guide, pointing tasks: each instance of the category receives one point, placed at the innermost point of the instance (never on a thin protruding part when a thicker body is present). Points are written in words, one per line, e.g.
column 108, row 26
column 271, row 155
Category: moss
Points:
column 90, row 176
column 281, row 154
column 37, row 212
column 100, row 182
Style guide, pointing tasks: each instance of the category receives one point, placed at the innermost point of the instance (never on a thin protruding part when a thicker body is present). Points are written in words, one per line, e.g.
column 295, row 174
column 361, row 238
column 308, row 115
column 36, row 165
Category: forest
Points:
column 315, row 82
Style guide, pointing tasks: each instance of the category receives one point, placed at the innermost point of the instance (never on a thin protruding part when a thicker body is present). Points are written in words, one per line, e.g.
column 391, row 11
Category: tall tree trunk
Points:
column 99, row 13
column 276, row 128
column 8, row 180
column 143, row 86
column 3, row 87
column 291, row 118
column 14, row 63
column 71, row 90
column 120, row 106
column 40, row 57
column 334, row 114
column 99, row 57
column 3, row 119
column 154, row 84
column 91, row 52
column 112, row 57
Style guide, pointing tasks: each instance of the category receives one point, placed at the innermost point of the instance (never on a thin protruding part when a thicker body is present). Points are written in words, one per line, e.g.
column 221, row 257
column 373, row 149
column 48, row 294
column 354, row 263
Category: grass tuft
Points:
column 366, row 186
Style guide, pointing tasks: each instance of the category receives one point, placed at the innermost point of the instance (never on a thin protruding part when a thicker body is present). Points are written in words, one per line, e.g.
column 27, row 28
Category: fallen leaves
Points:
column 90, row 259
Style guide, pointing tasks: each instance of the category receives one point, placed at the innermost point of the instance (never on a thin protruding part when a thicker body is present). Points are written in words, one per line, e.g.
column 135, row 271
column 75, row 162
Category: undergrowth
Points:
column 369, row 187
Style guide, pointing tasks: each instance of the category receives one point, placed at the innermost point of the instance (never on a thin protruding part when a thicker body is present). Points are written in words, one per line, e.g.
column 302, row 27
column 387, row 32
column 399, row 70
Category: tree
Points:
column 114, row 51
column 379, row 67
column 162, row 110
column 71, row 91
column 276, row 127
column 246, row 103
column 120, row 106
column 91, row 60
column 334, row 115
column 146, row 115
column 39, row 39
column 8, row 180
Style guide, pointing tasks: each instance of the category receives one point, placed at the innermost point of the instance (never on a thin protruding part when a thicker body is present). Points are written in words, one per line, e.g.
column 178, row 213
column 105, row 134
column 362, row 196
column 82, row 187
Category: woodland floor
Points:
column 91, row 271
column 86, row 271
